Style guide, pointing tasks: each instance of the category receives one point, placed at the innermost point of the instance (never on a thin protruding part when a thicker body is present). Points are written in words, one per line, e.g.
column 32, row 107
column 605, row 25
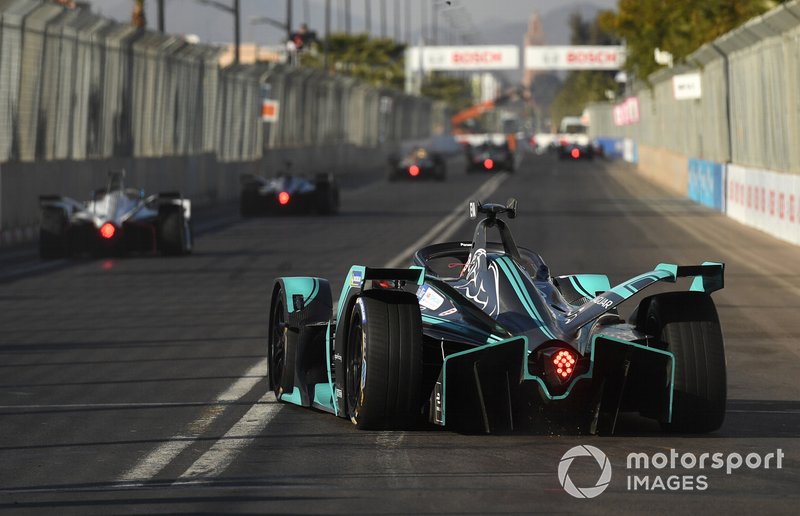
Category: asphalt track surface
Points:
column 135, row 386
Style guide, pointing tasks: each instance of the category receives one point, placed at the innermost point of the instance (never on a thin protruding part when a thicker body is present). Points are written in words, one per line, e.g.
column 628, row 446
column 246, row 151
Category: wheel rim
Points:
column 277, row 344
column 354, row 363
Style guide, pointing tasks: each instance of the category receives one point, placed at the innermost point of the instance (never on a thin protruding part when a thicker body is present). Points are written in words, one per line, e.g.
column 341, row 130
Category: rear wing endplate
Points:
column 708, row 278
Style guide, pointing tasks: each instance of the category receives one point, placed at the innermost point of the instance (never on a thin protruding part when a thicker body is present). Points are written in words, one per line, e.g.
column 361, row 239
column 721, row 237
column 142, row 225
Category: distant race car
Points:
column 288, row 194
column 419, row 164
column 574, row 150
column 573, row 141
column 478, row 336
column 116, row 220
column 490, row 157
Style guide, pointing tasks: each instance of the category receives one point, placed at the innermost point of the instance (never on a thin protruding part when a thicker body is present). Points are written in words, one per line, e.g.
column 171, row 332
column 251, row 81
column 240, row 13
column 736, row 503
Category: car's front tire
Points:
column 53, row 235
column 384, row 361
column 687, row 325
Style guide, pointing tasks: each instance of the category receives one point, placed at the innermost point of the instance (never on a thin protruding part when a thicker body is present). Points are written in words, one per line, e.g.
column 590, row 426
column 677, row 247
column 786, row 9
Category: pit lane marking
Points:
column 223, row 452
column 154, row 462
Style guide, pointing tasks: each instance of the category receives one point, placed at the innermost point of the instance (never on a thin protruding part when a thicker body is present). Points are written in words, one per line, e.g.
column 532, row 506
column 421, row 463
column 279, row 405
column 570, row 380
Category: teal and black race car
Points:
column 478, row 336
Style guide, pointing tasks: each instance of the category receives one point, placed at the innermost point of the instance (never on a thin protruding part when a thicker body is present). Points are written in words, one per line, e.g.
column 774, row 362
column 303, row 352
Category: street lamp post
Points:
column 397, row 18
column 383, row 18
column 160, row 9
column 408, row 22
column 435, row 22
column 288, row 19
column 235, row 11
column 327, row 34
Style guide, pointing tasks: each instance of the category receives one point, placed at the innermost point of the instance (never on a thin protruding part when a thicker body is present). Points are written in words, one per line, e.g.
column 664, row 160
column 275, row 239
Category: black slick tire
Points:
column 687, row 325
column 174, row 231
column 384, row 361
column 53, row 234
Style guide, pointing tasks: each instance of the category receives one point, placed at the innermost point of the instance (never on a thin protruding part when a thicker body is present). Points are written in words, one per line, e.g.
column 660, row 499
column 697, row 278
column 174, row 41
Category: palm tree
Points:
column 138, row 18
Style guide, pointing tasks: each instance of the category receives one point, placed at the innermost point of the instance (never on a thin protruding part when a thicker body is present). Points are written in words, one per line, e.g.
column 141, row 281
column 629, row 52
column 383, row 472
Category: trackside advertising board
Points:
column 576, row 57
column 474, row 57
column 707, row 183
column 766, row 200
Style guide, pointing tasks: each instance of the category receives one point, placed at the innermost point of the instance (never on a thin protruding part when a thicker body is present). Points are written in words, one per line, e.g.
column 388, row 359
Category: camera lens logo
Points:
column 585, row 450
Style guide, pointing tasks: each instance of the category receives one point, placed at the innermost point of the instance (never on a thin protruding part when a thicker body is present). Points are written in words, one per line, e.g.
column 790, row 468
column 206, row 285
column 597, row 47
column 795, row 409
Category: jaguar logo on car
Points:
column 602, row 301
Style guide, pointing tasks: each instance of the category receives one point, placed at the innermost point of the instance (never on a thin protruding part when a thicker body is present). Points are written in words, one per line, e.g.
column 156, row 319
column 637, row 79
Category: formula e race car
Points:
column 115, row 221
column 490, row 156
column 288, row 194
column 574, row 141
column 419, row 164
column 478, row 336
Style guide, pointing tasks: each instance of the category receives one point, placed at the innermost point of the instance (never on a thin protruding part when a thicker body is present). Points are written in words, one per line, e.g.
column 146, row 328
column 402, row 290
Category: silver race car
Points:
column 117, row 220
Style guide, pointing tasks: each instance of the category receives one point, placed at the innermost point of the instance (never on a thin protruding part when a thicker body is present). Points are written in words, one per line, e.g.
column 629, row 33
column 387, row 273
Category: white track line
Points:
column 152, row 464
column 213, row 462
column 112, row 406
column 448, row 225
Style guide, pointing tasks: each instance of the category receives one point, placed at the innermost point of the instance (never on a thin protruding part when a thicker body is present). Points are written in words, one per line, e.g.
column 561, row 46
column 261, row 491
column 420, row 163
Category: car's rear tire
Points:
column 248, row 201
column 441, row 172
column 327, row 192
column 687, row 325
column 53, row 234
column 384, row 361
column 174, row 231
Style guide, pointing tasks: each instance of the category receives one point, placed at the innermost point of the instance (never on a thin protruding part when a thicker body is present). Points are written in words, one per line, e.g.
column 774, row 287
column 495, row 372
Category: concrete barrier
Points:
column 612, row 148
column 707, row 183
column 665, row 168
column 202, row 178
column 766, row 200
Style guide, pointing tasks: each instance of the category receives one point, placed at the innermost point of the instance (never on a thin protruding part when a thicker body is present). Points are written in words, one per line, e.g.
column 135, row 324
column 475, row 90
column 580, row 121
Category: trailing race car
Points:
column 475, row 334
column 419, row 164
column 574, row 142
column 288, row 194
column 116, row 220
column 490, row 156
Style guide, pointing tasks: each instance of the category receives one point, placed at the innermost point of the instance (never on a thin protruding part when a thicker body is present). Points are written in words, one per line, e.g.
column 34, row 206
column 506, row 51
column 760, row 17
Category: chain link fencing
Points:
column 749, row 109
column 77, row 86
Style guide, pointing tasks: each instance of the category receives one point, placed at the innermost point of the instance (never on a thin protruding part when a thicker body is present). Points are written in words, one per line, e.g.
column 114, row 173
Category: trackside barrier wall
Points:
column 765, row 200
column 87, row 95
column 746, row 124
column 612, row 147
column 707, row 183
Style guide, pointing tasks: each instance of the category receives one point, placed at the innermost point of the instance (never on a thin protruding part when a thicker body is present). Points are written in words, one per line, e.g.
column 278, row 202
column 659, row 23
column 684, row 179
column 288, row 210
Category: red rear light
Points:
column 413, row 170
column 564, row 362
column 107, row 230
column 283, row 197
column 488, row 164
column 575, row 153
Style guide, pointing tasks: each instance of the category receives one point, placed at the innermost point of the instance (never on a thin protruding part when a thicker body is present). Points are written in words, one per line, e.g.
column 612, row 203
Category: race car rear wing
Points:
column 57, row 201
column 708, row 278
